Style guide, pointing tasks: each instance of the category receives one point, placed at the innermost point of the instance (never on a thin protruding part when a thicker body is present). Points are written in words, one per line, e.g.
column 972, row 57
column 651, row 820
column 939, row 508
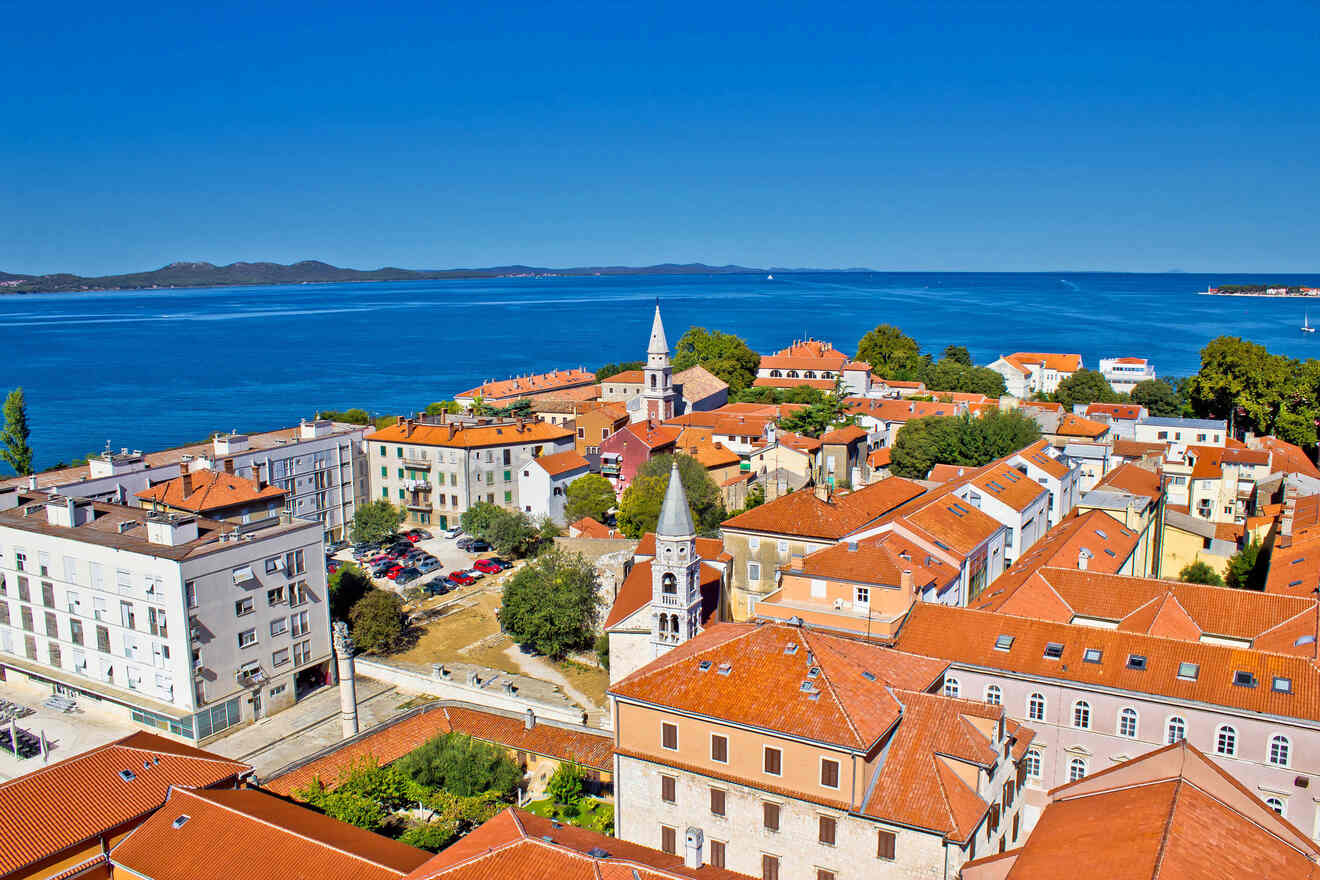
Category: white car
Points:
column 453, row 533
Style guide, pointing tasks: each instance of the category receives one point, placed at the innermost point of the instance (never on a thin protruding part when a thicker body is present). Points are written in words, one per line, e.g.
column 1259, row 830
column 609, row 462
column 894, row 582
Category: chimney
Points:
column 187, row 482
column 229, row 465
column 529, row 720
column 453, row 429
column 1083, row 559
column 1286, row 521
column 408, row 424
column 693, row 842
column 905, row 580
column 823, row 493
column 32, row 482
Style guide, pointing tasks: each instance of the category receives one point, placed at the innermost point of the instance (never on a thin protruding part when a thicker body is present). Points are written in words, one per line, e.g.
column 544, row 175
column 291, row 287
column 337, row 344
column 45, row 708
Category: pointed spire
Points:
column 659, row 345
column 675, row 516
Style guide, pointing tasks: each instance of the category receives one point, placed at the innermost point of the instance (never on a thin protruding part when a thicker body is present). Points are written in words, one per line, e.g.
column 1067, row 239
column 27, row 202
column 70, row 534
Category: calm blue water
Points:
column 151, row 369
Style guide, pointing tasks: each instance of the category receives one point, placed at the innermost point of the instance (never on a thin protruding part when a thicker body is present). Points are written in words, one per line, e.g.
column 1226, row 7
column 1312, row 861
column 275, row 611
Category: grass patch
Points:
column 591, row 680
column 590, row 813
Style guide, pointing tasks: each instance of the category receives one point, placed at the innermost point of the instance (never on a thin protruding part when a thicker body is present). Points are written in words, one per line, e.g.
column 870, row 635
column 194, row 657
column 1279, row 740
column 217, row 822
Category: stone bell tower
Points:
column 675, row 572
column 658, row 395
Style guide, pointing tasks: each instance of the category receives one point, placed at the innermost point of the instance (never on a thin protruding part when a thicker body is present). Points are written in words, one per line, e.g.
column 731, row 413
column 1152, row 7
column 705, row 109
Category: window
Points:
column 829, row 773
column 717, row 853
column 667, row 789
column 886, row 843
column 1076, row 769
column 769, row 867
column 1226, row 741
column 951, row 687
column 273, row 564
column 753, row 571
column 1082, row 715
column 1127, row 723
column 668, row 840
column 770, row 816
column 669, row 736
column 1175, row 730
column 1136, row 661
column 247, row 638
column 1033, row 763
column 773, row 761
column 302, row 652
column 280, row 657
column 298, row 624
column 719, row 748
column 1092, row 655
column 993, row 695
column 862, row 597
column 1279, row 749
column 1036, row 707
column 1053, row 650
column 1276, row 805
column 1189, row 671
column 717, row 801
column 279, row 626
column 243, row 606
column 824, row 874
column 75, row 630
column 826, row 833
column 275, row 596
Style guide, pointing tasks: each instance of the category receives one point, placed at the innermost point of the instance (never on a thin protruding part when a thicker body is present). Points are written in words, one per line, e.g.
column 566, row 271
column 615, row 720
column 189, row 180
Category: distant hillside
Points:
column 313, row 271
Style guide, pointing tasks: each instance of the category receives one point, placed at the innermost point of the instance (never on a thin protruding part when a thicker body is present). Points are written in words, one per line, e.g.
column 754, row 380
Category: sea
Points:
column 150, row 369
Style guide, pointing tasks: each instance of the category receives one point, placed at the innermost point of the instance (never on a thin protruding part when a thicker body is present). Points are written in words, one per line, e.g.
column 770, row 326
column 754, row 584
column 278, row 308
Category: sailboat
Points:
column 769, row 278
column 1306, row 324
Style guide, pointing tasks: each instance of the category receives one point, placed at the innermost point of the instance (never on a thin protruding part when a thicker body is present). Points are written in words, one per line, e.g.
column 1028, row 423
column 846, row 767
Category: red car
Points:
column 413, row 537
column 487, row 566
column 393, row 571
column 462, row 578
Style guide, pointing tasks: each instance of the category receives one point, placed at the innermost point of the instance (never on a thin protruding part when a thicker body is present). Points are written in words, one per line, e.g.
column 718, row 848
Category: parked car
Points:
column 504, row 564
column 407, row 576
column 335, row 546
column 422, row 534
column 412, row 537
column 453, row 533
column 393, row 571
column 332, row 566
column 462, row 578
column 474, row 573
column 478, row 546
column 487, row 565
column 438, row 586
column 400, row 547
column 381, row 570
column 428, row 564
column 361, row 551
column 465, row 543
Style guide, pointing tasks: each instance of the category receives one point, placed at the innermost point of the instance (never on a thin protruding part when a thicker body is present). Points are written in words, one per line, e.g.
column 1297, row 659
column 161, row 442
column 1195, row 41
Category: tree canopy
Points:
column 376, row 521
column 639, row 508
column 615, row 369
column 958, row 354
column 1257, row 391
column 510, row 532
column 1084, row 387
column 346, row 587
column 376, row 621
column 552, row 603
column 723, row 354
column 959, row 440
column 1199, row 572
column 590, row 495
column 1248, row 568
column 462, row 766
column 1158, row 397
column 348, row 417
column 762, row 394
column 952, row 374
column 817, row 418
column 14, row 448
column 449, row 407
column 891, row 353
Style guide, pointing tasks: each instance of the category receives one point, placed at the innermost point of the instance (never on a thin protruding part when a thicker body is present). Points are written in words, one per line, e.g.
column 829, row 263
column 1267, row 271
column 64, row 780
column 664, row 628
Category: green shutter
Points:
column 384, row 493
column 384, row 471
column 508, row 475
column 508, row 497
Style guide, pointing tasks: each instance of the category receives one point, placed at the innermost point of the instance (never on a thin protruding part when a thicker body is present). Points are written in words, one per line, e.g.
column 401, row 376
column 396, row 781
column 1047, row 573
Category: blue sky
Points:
column 984, row 136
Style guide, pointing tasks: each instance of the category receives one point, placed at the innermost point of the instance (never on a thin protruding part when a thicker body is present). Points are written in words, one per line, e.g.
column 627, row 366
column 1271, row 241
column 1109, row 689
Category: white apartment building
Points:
column 183, row 624
column 543, row 484
column 1180, row 433
column 322, row 466
column 1062, row 479
column 1123, row 373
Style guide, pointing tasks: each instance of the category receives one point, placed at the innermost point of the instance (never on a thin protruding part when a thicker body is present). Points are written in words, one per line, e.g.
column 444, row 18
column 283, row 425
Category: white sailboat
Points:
column 1306, row 324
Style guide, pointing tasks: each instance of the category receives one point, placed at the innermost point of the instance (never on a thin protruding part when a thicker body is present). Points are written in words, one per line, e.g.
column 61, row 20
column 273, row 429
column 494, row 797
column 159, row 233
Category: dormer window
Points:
column 1136, row 661
column 1244, row 679
column 1053, row 650
column 1092, row 655
column 1281, row 685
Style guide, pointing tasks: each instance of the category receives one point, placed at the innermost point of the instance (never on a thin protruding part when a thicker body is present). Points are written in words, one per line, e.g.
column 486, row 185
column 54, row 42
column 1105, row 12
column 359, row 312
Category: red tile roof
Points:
column 1133, row 478
column 590, row 528
column 516, row 845
column 1125, row 448
column 248, row 833
column 1063, row 363
column 394, row 739
column 761, row 685
column 523, row 386
column 561, row 463
column 75, row 800
column 878, row 560
column 847, row 434
column 1037, row 455
column 881, row 458
column 890, row 410
column 802, row 513
column 635, row 593
column 1288, row 458
column 209, row 491
column 1129, row 412
column 1071, row 425
column 470, row 436
column 1009, row 486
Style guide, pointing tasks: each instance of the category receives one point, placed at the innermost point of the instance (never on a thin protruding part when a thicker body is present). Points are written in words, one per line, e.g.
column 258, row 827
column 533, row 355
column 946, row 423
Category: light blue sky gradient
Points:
column 988, row 136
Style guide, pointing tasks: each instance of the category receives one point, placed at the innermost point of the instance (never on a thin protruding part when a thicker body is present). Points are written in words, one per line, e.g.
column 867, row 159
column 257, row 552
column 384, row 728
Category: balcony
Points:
column 417, row 463
column 670, row 599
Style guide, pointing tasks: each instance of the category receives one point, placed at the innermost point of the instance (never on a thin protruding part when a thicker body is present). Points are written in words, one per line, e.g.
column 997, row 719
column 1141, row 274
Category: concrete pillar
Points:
column 343, row 644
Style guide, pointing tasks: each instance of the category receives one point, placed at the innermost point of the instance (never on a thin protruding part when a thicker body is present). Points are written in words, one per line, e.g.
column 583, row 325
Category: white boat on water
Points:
column 1306, row 324
column 769, row 278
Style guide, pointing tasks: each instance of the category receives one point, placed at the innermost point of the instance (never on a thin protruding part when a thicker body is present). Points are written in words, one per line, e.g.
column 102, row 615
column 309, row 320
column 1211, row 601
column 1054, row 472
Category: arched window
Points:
column 1076, row 769
column 775, row 374
column 1175, row 730
column 792, row 374
column 653, row 380
column 669, row 583
column 1280, row 749
column 664, row 624
column 1036, row 707
column 1033, row 763
column 1276, row 805
column 1082, row 715
column 808, row 374
column 1127, row 723
column 1226, row 741
column 951, row 687
column 993, row 694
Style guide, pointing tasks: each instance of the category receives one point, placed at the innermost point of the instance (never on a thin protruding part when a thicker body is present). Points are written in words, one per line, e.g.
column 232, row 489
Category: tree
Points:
column 603, row 651
column 958, row 354
column 817, row 418
column 591, row 495
column 722, row 354
column 1257, row 391
column 377, row 622
column 553, row 603
column 346, row 806
column 346, row 587
column 800, row 394
column 568, row 784
column 442, row 406
column 950, row 374
column 959, row 440
column 451, row 817
column 891, row 353
column 347, row 417
column 1083, row 387
column 477, row 518
column 1248, row 567
column 1158, row 397
column 376, row 521
column 639, row 508
column 615, row 369
column 14, row 439
column 462, row 766
column 1199, row 572
column 510, row 532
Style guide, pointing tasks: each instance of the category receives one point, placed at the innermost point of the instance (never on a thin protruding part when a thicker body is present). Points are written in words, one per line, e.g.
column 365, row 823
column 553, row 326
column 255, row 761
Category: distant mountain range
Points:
column 314, row 271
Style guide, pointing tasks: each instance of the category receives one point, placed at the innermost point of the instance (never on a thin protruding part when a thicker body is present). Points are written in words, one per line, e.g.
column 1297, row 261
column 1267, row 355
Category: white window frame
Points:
column 838, row 772
column 1035, row 760
column 712, row 748
column 1136, row 722
column 765, row 749
column 1031, row 700
column 1073, row 764
column 1226, row 733
column 1080, row 707
column 952, row 688
column 1281, row 808
column 1287, row 751
column 994, row 695
column 1168, row 728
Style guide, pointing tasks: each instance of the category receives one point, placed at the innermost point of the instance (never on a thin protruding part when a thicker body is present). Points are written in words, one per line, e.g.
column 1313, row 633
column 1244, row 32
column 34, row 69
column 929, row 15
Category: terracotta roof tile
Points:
column 878, row 560
column 1009, row 486
column 847, row 434
column 1133, row 478
column 1128, row 412
column 590, row 528
column 1063, row 363
column 523, row 386
column 561, row 463
column 468, row 436
column 209, row 491
column 1287, row 457
column 635, row 593
column 802, row 513
column 699, row 383
column 1072, row 425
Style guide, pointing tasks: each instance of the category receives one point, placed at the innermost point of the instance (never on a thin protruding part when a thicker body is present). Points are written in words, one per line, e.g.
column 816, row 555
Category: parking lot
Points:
column 444, row 549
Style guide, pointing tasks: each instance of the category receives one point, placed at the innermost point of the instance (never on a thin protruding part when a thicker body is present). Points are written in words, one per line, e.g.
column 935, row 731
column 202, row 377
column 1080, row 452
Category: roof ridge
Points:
column 655, row 667
column 938, row 760
column 843, row 710
column 116, row 744
column 1168, row 821
column 276, row 826
column 1287, row 620
column 1040, row 573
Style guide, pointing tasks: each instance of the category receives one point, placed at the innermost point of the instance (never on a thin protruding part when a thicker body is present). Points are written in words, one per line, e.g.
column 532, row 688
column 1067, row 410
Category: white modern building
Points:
column 1181, row 432
column 543, row 484
column 1123, row 373
column 1030, row 372
column 321, row 465
column 183, row 624
column 1062, row 479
